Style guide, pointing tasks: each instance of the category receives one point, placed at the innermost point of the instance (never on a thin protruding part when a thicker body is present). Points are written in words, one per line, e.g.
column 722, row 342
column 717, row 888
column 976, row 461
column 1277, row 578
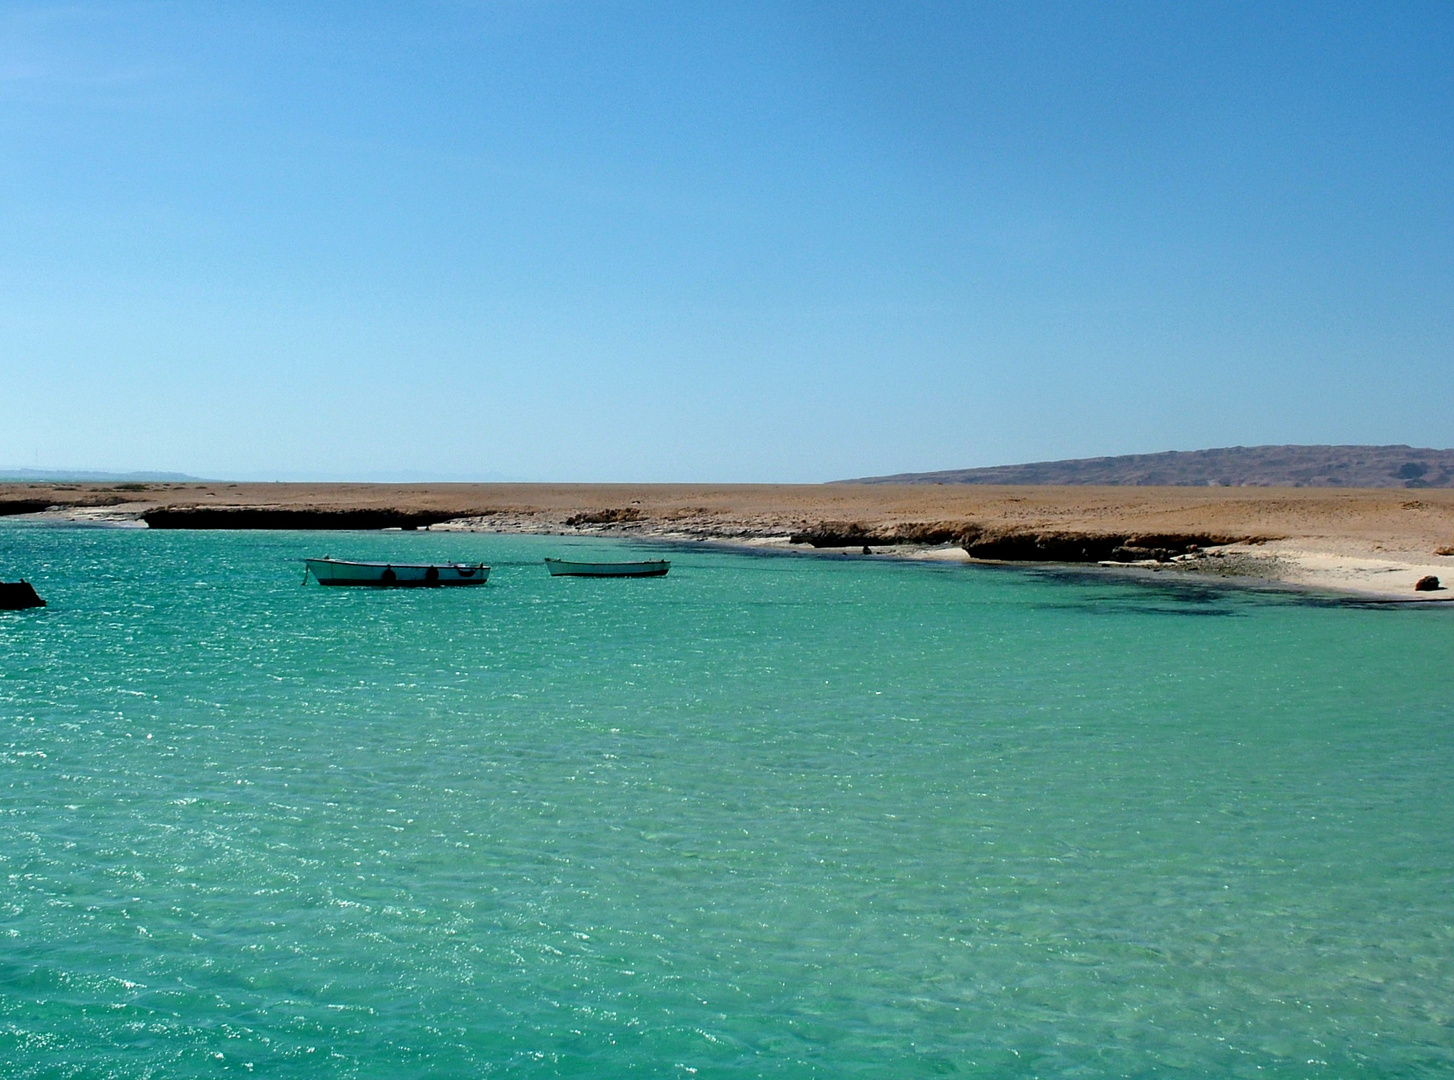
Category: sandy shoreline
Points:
column 1373, row 543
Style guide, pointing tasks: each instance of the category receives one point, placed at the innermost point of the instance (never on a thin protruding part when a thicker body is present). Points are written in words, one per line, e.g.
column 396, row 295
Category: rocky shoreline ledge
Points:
column 1374, row 543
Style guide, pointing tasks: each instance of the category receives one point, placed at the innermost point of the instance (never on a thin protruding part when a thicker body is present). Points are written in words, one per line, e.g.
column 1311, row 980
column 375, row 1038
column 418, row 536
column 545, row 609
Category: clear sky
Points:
column 717, row 241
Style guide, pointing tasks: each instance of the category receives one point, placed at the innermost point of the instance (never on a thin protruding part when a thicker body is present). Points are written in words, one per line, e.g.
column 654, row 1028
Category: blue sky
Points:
column 717, row 242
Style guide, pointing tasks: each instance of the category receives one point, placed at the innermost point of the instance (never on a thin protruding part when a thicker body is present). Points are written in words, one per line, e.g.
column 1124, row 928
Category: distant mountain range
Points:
column 52, row 476
column 1233, row 466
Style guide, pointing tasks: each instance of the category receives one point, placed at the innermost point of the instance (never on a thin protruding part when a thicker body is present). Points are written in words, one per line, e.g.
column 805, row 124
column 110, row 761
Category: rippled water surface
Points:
column 767, row 816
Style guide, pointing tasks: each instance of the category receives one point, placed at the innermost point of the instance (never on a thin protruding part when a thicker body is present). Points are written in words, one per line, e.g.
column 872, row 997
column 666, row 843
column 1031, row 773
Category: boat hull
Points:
column 397, row 575
column 648, row 568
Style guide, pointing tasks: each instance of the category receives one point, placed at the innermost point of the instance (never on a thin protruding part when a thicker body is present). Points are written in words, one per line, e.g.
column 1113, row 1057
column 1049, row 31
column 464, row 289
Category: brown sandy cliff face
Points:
column 1021, row 545
column 247, row 517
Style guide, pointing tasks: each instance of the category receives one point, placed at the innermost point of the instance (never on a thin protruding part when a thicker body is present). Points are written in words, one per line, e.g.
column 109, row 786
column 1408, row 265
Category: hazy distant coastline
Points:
column 93, row 476
column 1234, row 466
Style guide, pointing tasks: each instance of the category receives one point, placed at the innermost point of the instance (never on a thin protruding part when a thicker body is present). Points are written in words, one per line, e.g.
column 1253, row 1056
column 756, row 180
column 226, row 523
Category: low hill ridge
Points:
column 1233, row 466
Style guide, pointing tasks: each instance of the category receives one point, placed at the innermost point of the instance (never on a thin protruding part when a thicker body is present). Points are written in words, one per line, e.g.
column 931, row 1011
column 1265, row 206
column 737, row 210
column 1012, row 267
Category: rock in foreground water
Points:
column 18, row 595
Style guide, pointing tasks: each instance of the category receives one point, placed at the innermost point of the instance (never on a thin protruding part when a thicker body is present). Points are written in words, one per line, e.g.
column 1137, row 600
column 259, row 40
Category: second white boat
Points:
column 647, row 568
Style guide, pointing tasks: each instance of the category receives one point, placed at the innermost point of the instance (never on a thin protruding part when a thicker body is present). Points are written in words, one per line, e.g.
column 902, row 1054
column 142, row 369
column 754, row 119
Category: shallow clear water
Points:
column 767, row 816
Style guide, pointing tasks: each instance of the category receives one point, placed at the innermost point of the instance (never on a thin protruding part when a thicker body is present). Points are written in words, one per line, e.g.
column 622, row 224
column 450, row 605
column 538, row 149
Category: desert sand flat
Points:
column 1373, row 542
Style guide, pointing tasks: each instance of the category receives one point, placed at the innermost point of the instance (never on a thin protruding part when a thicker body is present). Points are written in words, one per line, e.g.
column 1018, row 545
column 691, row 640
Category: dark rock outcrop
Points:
column 1427, row 584
column 9, row 507
column 1016, row 545
column 242, row 517
column 18, row 595
column 1070, row 546
column 604, row 517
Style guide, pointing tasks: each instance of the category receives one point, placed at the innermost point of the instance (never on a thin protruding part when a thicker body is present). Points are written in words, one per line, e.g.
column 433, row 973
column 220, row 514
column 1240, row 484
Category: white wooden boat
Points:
column 647, row 568
column 328, row 571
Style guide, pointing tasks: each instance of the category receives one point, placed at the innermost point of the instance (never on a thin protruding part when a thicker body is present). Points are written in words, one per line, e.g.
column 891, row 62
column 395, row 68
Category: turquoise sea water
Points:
column 767, row 816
